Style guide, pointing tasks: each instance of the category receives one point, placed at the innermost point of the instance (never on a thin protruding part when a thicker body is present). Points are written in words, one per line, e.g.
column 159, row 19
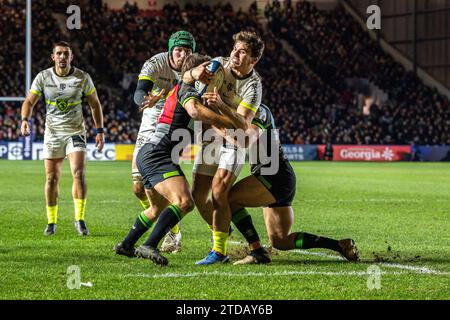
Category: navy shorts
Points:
column 155, row 165
column 281, row 185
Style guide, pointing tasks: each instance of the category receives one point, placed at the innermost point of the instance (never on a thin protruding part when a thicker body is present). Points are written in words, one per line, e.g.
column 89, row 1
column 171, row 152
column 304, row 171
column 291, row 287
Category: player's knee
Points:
column 220, row 192
column 78, row 174
column 185, row 204
column 138, row 189
column 52, row 178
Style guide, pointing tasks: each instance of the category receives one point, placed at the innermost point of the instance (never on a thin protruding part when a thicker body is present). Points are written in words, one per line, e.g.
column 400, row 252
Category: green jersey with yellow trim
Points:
column 236, row 91
column 157, row 70
column 63, row 98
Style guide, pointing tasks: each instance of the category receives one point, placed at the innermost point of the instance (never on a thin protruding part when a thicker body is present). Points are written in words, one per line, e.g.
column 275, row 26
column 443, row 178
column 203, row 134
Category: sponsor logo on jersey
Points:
column 62, row 105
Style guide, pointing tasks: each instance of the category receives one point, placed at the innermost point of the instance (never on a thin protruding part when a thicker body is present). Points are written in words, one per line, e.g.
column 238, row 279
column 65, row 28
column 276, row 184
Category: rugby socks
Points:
column 80, row 208
column 210, row 227
column 220, row 242
column 52, row 214
column 145, row 203
column 140, row 226
column 305, row 240
column 175, row 229
column 243, row 222
column 166, row 221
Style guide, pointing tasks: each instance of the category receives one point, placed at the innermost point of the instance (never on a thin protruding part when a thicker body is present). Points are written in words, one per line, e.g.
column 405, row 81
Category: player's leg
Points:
column 144, row 221
column 279, row 222
column 77, row 160
column 177, row 192
column 172, row 243
column 201, row 189
column 138, row 185
column 231, row 161
column 203, row 171
column 250, row 193
column 52, row 174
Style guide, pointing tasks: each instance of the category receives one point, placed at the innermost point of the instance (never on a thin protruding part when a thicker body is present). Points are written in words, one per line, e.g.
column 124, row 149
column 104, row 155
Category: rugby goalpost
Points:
column 27, row 57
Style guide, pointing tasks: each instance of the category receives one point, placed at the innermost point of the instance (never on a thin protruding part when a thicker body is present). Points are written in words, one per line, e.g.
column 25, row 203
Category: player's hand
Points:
column 25, row 128
column 213, row 99
column 150, row 100
column 202, row 74
column 100, row 141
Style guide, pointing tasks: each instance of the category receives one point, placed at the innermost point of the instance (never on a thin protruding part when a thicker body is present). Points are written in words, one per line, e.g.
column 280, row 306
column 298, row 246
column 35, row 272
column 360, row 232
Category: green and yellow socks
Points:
column 140, row 226
column 243, row 222
column 166, row 221
column 305, row 240
column 146, row 204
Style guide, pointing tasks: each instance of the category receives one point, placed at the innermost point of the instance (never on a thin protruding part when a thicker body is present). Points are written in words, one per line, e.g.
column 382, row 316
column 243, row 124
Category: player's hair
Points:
column 193, row 60
column 61, row 44
column 254, row 42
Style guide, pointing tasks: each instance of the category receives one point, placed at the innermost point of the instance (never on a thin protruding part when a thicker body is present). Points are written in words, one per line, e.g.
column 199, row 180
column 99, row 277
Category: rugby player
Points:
column 240, row 91
column 158, row 75
column 64, row 87
column 274, row 191
column 163, row 178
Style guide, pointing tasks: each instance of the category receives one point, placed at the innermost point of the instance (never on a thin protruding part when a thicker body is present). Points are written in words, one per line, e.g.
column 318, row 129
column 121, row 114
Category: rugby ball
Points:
column 219, row 74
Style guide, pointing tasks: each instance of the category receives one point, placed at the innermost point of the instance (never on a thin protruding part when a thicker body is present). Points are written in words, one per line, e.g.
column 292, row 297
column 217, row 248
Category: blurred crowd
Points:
column 336, row 48
column 309, row 98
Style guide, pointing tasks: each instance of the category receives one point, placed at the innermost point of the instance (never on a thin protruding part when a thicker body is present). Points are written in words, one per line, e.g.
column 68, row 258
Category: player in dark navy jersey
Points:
column 273, row 188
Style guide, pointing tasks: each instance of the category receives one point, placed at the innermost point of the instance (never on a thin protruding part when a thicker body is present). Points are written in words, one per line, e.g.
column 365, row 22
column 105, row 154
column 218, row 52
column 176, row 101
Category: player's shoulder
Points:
column 45, row 73
column 77, row 72
column 255, row 77
column 159, row 59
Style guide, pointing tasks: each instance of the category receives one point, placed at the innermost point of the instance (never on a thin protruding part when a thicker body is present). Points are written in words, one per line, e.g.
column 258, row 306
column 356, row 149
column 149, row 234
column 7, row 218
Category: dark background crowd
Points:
column 309, row 97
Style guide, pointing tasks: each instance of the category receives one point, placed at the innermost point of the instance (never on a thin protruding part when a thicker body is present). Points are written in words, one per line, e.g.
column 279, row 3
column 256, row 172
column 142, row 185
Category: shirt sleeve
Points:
column 252, row 97
column 88, row 86
column 186, row 93
column 37, row 87
column 150, row 69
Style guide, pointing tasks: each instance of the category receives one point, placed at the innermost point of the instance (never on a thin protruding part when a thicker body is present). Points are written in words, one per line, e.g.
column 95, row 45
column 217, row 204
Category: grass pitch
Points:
column 398, row 213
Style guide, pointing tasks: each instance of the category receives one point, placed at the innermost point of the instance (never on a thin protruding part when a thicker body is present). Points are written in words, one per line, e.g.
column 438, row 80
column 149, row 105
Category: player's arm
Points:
column 200, row 73
column 252, row 135
column 199, row 112
column 97, row 115
column 214, row 100
column 143, row 96
column 27, row 110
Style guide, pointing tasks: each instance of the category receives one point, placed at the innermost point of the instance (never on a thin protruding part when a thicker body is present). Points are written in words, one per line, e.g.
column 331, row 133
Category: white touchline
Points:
column 260, row 274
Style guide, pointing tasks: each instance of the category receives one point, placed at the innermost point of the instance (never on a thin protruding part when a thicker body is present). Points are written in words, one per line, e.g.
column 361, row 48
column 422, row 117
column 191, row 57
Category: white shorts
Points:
column 211, row 157
column 59, row 146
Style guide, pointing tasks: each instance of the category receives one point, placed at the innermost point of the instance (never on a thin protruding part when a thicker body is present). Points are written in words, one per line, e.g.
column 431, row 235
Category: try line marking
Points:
column 259, row 274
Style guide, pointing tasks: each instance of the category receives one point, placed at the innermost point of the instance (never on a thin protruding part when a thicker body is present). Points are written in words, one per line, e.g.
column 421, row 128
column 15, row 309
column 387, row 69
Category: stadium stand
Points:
column 309, row 97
